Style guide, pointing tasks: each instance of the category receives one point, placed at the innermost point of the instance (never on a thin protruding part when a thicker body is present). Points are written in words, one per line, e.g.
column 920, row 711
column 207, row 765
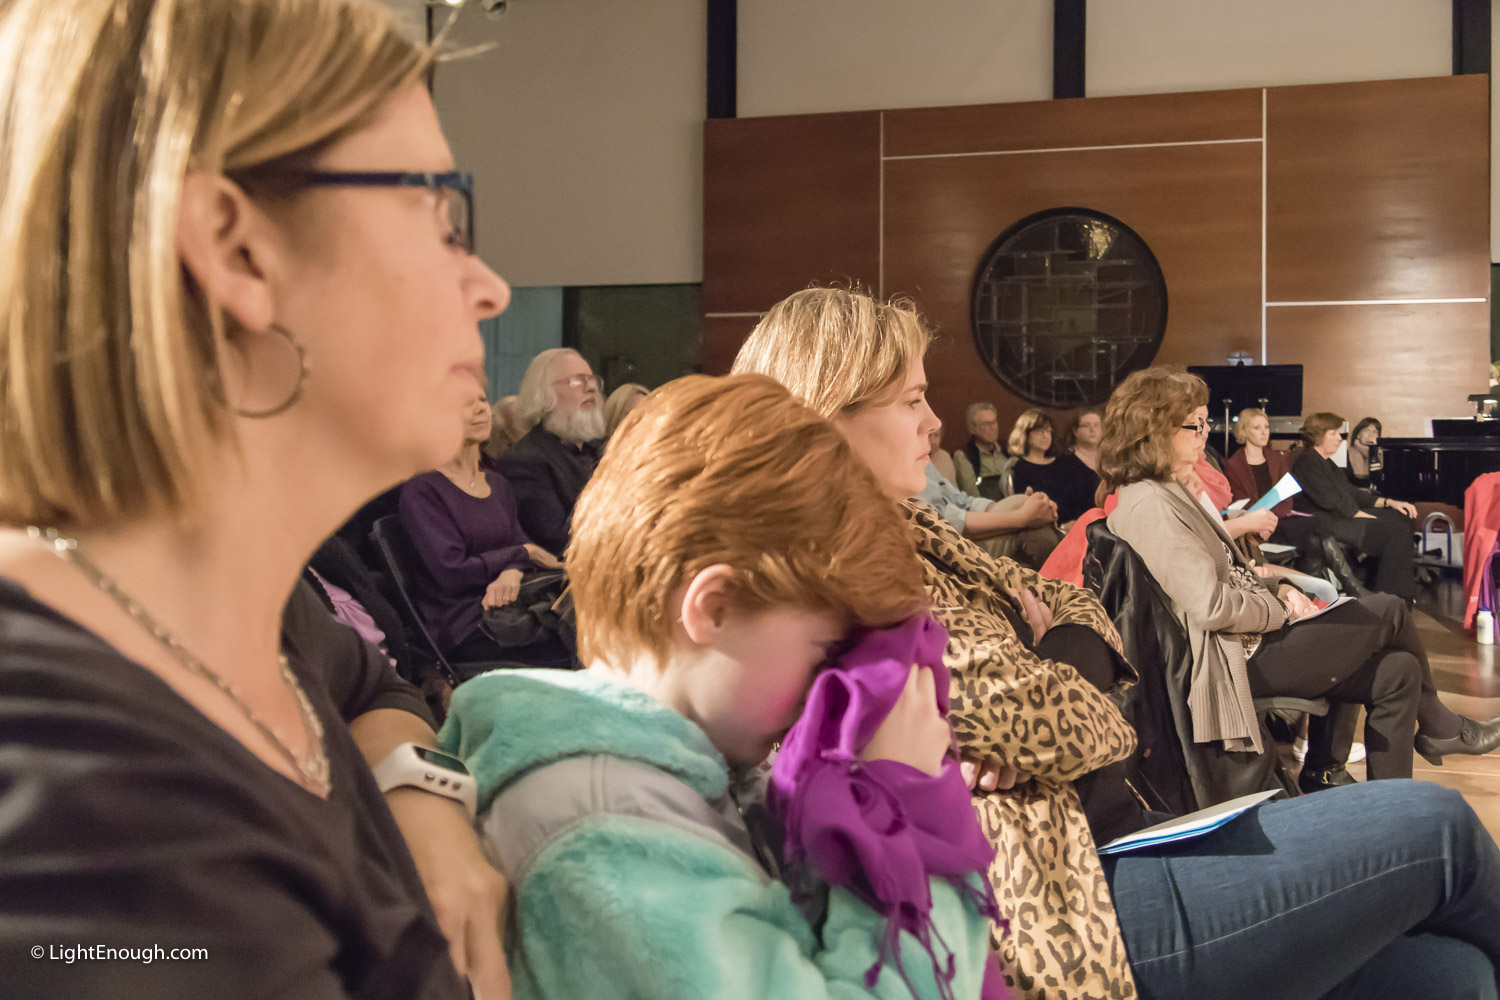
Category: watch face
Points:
column 442, row 760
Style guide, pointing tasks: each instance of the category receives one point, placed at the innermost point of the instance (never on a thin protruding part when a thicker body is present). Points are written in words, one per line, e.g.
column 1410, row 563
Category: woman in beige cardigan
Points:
column 1245, row 912
column 1244, row 638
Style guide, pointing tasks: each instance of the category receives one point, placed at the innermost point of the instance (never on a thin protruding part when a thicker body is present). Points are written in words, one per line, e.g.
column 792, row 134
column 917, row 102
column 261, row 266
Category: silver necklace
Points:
column 473, row 480
column 314, row 769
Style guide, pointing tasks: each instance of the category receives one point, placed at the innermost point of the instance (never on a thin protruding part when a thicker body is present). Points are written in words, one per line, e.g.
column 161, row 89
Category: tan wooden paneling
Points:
column 1107, row 121
column 1197, row 207
column 1378, row 190
column 1400, row 363
column 786, row 202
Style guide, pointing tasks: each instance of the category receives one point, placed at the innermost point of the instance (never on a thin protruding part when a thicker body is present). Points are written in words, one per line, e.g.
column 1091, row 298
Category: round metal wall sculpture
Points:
column 1066, row 303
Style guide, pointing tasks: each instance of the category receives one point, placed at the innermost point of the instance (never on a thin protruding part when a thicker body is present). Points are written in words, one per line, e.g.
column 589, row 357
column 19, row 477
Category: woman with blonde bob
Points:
column 724, row 549
column 237, row 299
column 1244, row 912
column 619, row 404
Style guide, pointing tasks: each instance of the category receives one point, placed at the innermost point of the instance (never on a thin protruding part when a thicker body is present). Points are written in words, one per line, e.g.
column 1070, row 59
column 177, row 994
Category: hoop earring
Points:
column 296, row 390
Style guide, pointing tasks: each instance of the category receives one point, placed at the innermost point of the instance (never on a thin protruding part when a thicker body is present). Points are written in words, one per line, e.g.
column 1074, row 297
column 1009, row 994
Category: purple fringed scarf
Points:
column 881, row 829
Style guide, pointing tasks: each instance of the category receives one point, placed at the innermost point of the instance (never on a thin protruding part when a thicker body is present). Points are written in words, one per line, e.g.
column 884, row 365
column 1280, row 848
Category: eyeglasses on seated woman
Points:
column 240, row 300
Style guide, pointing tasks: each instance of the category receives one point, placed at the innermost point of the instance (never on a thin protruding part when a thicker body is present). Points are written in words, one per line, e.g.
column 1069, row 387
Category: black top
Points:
column 546, row 474
column 1325, row 488
column 1262, row 474
column 1066, row 480
column 129, row 820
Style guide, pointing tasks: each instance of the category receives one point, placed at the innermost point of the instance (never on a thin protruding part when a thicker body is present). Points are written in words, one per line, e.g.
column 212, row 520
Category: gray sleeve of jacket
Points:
column 1187, row 571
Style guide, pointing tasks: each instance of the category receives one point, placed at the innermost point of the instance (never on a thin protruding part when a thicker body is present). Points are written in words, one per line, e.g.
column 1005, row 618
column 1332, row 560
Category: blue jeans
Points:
column 1352, row 892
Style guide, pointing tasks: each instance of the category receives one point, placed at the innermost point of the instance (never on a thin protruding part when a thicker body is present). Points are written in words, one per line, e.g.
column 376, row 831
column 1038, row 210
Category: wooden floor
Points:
column 1468, row 680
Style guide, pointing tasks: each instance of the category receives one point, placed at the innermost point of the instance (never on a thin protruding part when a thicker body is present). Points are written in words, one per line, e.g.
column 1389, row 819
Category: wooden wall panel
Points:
column 1373, row 191
column 1197, row 207
column 788, row 201
column 1400, row 363
column 722, row 337
column 1106, row 121
column 1378, row 190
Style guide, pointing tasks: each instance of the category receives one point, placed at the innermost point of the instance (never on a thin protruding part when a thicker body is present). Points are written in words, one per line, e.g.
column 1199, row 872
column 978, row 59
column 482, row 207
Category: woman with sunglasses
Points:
column 240, row 299
column 1248, row 640
column 1377, row 527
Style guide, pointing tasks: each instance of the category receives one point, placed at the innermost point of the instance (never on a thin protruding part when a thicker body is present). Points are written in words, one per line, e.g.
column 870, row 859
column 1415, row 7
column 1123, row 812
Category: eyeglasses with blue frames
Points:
column 454, row 191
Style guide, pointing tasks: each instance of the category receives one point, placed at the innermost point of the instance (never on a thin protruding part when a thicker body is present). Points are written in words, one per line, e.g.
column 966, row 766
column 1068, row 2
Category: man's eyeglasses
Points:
column 1198, row 427
column 454, row 191
column 582, row 382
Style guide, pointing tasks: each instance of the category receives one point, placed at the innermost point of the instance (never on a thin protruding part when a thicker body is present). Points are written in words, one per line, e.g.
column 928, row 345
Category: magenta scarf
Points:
column 881, row 829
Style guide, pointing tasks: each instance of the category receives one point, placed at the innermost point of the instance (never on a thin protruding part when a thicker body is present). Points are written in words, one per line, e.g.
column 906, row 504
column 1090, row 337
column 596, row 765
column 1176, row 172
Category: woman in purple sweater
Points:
column 461, row 520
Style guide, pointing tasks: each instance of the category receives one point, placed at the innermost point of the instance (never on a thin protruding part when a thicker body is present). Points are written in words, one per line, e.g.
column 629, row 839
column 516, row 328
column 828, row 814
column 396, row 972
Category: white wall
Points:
column 1167, row 46
column 804, row 56
column 413, row 16
column 584, row 130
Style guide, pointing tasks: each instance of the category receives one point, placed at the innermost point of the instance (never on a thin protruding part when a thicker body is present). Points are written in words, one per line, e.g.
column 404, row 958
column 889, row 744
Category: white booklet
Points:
column 1322, row 611
column 1187, row 827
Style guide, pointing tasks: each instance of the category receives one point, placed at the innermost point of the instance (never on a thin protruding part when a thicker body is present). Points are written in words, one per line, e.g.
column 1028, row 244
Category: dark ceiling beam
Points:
column 723, row 54
column 1471, row 36
column 1068, row 17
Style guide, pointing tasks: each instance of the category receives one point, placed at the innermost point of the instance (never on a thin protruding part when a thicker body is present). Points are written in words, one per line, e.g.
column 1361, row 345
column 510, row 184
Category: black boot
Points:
column 1475, row 738
column 1333, row 554
column 1317, row 780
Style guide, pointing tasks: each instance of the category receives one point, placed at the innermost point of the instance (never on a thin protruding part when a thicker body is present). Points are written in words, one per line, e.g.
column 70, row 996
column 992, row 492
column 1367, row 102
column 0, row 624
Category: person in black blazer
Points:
column 1377, row 527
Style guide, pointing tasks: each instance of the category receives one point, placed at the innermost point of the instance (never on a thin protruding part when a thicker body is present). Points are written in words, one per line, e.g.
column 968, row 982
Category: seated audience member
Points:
column 548, row 467
column 351, row 593
column 1087, row 430
column 1365, row 457
column 1247, row 640
column 1377, row 527
column 506, row 431
column 462, row 523
column 712, row 579
column 1308, row 898
column 620, row 403
column 982, row 462
column 1022, row 527
column 1257, row 467
column 1251, row 472
column 175, row 767
column 941, row 460
column 1066, row 480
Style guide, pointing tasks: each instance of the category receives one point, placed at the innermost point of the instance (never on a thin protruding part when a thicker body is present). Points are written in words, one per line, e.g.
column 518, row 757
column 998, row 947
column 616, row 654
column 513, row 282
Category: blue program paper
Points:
column 1187, row 827
column 1283, row 490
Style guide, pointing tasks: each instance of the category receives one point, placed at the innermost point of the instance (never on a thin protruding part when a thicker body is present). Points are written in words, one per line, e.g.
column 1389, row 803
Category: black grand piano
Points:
column 1440, row 468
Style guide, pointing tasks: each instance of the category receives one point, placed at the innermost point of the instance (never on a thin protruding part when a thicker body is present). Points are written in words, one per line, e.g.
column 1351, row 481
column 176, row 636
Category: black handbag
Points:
column 541, row 610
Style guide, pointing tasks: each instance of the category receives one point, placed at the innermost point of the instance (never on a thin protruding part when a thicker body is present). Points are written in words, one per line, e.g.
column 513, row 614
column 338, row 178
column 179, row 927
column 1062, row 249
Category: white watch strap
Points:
column 404, row 768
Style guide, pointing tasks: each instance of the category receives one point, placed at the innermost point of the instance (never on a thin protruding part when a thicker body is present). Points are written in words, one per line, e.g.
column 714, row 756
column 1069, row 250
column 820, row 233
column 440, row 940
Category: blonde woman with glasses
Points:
column 239, row 299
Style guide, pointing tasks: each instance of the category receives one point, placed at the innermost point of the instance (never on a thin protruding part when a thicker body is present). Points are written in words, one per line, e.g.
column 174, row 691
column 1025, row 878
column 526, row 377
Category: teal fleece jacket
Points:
column 628, row 907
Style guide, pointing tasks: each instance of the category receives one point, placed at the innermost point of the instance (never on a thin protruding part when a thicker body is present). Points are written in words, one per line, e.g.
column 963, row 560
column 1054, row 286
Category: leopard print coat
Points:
column 1043, row 719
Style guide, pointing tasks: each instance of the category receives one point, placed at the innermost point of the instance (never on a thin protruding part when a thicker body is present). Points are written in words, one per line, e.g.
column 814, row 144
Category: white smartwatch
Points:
column 415, row 766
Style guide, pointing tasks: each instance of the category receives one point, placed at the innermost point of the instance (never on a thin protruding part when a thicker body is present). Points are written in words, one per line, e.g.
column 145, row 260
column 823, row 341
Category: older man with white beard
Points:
column 560, row 402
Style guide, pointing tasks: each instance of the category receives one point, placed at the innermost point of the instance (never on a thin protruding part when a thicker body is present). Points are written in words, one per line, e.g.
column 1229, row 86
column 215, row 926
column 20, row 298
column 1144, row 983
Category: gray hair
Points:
column 536, row 397
column 973, row 412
